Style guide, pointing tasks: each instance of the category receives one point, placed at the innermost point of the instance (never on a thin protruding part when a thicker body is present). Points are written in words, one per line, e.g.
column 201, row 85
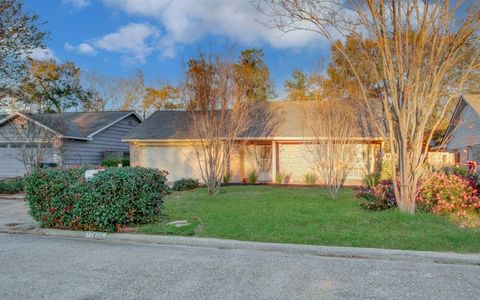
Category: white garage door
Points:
column 179, row 161
column 10, row 165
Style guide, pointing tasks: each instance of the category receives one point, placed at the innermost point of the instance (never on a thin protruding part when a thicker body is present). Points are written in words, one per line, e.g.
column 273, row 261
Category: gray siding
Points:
column 12, row 138
column 91, row 152
column 467, row 132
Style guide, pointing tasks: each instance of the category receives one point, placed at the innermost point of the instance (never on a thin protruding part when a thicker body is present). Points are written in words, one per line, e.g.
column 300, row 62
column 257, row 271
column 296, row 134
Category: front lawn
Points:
column 307, row 216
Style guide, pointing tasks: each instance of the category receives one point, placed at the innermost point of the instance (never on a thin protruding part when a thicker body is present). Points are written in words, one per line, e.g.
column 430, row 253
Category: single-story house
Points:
column 162, row 141
column 72, row 138
column 463, row 132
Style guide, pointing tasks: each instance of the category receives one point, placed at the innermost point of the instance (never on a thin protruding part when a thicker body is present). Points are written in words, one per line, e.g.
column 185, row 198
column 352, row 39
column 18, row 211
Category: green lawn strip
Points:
column 307, row 216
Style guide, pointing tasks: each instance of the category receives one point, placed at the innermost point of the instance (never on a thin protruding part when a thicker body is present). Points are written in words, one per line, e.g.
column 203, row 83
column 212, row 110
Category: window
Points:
column 457, row 157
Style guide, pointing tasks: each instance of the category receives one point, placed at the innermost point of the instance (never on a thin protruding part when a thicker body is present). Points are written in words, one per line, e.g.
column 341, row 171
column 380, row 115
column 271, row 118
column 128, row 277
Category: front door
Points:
column 264, row 162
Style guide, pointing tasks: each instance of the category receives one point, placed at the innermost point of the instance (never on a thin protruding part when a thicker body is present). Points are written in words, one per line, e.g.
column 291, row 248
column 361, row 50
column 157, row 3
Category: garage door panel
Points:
column 10, row 164
column 178, row 161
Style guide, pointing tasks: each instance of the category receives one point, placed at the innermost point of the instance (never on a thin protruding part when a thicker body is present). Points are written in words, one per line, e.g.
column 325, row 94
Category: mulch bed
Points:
column 290, row 185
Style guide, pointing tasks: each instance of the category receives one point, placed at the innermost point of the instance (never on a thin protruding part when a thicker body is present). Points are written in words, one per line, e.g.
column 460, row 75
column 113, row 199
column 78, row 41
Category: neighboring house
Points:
column 463, row 131
column 163, row 141
column 80, row 138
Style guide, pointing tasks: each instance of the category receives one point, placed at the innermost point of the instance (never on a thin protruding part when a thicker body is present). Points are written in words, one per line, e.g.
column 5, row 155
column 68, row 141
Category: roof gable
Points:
column 464, row 126
column 77, row 125
column 472, row 100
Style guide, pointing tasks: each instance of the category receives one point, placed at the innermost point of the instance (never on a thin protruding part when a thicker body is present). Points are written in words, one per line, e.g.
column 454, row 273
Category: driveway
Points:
column 34, row 267
column 14, row 213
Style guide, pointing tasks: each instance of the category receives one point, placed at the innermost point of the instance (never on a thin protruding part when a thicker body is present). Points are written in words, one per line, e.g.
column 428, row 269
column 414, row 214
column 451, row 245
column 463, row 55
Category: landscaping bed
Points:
column 307, row 216
column 11, row 186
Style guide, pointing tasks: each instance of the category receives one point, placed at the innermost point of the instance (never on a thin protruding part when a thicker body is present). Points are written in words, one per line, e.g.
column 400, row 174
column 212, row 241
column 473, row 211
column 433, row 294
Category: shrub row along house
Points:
column 62, row 139
column 279, row 143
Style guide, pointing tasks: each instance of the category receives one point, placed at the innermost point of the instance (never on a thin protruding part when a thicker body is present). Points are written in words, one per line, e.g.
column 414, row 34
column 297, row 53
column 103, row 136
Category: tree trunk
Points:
column 406, row 192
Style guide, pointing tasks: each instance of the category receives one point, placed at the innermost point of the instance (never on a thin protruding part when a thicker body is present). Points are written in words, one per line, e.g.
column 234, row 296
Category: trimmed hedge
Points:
column 115, row 197
column 11, row 186
column 113, row 162
column 185, row 184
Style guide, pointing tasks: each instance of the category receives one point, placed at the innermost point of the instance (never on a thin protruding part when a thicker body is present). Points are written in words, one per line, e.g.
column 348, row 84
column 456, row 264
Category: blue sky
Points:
column 117, row 37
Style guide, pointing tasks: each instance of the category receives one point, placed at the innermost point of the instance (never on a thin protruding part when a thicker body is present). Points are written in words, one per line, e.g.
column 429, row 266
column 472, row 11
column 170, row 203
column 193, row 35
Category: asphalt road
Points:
column 36, row 267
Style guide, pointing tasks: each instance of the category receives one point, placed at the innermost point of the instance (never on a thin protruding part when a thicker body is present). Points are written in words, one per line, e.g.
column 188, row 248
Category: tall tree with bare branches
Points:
column 425, row 51
column 220, row 108
column 332, row 148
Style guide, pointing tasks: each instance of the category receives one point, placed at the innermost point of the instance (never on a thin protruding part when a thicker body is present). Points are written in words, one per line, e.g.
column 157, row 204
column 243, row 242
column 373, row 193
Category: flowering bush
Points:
column 441, row 194
column 449, row 193
column 473, row 180
column 379, row 197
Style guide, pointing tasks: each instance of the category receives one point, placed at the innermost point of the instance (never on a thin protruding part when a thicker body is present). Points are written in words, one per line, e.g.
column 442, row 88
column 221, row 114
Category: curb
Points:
column 324, row 251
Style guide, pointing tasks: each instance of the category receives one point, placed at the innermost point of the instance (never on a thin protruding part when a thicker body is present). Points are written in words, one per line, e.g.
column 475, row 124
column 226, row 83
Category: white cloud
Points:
column 43, row 54
column 167, row 48
column 187, row 21
column 82, row 48
column 78, row 4
column 135, row 41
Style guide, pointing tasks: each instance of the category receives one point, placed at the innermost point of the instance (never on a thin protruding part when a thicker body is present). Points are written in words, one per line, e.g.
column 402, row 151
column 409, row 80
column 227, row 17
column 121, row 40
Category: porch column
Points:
column 241, row 156
column 134, row 154
column 372, row 158
column 274, row 160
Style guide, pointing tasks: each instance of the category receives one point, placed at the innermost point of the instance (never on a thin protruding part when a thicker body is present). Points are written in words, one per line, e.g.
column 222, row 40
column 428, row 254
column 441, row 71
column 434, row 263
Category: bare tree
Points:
column 220, row 110
column 116, row 93
column 425, row 51
column 36, row 141
column 332, row 148
column 107, row 90
column 134, row 92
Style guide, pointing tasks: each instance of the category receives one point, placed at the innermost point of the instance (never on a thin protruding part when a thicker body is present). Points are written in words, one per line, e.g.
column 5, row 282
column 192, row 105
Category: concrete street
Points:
column 35, row 267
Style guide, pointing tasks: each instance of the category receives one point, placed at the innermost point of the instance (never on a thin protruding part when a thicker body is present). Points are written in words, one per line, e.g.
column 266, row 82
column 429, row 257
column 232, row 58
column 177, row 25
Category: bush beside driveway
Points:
column 111, row 200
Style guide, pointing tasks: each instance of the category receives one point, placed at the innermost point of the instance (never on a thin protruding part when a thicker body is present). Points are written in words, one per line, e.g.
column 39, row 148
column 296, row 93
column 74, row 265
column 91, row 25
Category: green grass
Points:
column 307, row 216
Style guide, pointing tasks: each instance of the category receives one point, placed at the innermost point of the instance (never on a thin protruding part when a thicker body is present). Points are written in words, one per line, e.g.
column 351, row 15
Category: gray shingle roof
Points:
column 79, row 124
column 278, row 120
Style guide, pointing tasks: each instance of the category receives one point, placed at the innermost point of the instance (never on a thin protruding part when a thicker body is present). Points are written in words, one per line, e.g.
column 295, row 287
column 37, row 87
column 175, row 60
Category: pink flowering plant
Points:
column 442, row 194
column 379, row 197
column 449, row 193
